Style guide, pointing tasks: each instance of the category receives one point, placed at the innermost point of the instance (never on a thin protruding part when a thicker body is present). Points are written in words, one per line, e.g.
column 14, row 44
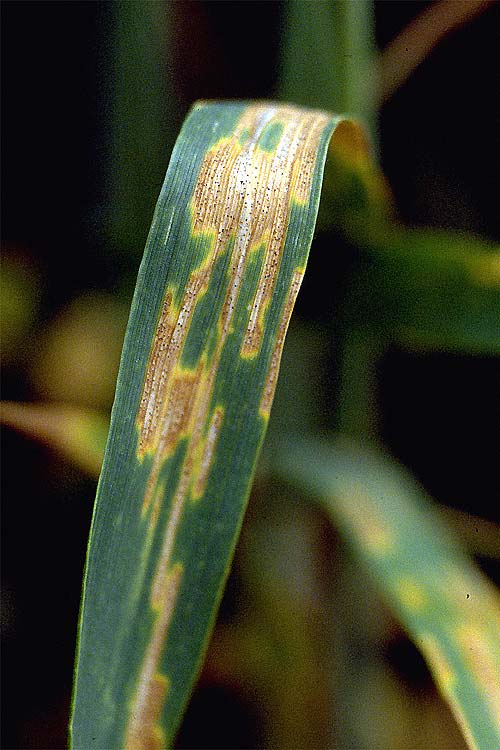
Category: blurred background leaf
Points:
column 76, row 434
column 327, row 57
column 449, row 609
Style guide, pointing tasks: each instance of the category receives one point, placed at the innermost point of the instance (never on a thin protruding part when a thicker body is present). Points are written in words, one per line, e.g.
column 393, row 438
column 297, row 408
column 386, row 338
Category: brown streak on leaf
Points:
column 159, row 390
column 143, row 730
column 272, row 373
column 242, row 193
column 208, row 447
column 290, row 171
column 159, row 353
column 164, row 560
column 177, row 413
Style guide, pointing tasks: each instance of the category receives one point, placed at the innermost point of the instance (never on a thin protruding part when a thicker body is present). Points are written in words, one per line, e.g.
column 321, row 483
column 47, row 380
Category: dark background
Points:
column 439, row 150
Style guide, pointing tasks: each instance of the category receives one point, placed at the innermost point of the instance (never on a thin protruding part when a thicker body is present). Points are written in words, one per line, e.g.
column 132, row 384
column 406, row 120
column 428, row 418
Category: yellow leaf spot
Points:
column 207, row 452
column 411, row 594
column 437, row 660
column 246, row 192
column 273, row 370
column 361, row 514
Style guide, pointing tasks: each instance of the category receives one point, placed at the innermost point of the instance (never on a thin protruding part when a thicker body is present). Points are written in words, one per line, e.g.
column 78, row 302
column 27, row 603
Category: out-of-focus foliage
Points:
column 19, row 304
column 77, row 434
column 449, row 609
column 79, row 351
column 339, row 75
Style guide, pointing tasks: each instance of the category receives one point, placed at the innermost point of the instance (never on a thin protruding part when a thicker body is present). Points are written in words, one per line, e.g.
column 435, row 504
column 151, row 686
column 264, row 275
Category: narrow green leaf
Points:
column 223, row 264
column 422, row 288
column 341, row 74
column 428, row 289
column 448, row 607
column 143, row 110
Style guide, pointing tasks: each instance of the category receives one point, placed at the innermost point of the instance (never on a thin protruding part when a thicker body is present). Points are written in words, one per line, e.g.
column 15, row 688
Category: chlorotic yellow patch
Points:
column 359, row 511
column 411, row 594
column 437, row 660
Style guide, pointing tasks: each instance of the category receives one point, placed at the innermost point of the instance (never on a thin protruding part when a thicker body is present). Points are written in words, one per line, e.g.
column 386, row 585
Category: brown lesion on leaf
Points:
column 144, row 731
column 175, row 424
column 161, row 380
column 148, row 408
column 274, row 363
column 207, row 452
column 242, row 194
column 289, row 173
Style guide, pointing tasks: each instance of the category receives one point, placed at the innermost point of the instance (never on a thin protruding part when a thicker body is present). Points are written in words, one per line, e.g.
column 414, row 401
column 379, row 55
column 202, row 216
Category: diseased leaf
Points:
column 448, row 607
column 222, row 268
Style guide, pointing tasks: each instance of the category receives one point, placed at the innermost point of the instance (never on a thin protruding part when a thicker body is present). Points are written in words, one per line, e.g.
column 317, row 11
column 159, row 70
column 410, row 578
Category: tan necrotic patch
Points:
column 144, row 731
column 207, row 452
column 243, row 193
column 273, row 370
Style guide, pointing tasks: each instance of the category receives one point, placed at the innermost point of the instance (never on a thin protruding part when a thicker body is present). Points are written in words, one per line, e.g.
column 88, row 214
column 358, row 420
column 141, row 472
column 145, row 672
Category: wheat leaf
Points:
column 222, row 267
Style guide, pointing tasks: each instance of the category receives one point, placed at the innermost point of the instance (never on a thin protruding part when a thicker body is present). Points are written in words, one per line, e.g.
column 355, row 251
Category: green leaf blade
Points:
column 222, row 267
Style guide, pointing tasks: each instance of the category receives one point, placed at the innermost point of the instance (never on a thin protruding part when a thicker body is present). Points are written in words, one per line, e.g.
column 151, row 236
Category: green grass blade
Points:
column 340, row 75
column 422, row 288
column 223, row 264
column 428, row 290
column 143, row 114
column 448, row 607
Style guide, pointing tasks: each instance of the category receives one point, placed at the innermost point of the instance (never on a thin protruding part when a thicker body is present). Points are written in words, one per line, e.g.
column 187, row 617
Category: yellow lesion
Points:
column 439, row 662
column 243, row 193
column 155, row 378
column 207, row 452
column 446, row 678
column 471, row 599
column 411, row 594
column 246, row 192
column 361, row 514
column 273, row 369
column 175, row 414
